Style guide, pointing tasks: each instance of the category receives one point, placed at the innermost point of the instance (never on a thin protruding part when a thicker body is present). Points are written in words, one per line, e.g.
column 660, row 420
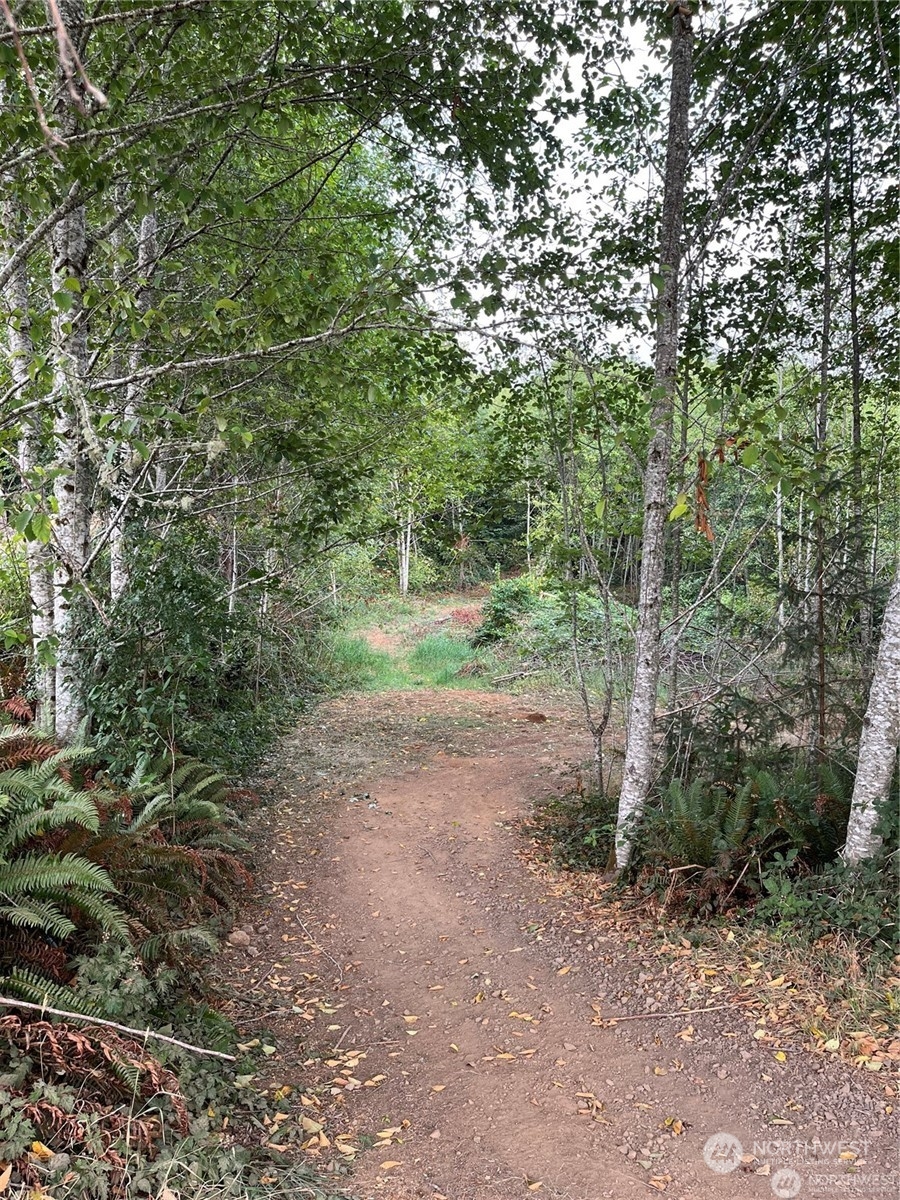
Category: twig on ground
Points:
column 684, row 1012
column 141, row 1033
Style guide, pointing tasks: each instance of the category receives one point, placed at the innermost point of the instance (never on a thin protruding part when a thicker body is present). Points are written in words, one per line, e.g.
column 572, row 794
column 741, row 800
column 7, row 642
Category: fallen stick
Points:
column 142, row 1033
column 685, row 1012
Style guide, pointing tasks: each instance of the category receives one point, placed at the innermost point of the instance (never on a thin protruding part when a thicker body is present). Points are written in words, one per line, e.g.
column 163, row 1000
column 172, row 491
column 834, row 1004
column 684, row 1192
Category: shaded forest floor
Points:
column 438, row 1005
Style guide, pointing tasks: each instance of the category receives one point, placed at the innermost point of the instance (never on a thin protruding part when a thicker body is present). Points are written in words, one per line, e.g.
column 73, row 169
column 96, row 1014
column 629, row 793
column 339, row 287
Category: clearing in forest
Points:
column 441, row 1003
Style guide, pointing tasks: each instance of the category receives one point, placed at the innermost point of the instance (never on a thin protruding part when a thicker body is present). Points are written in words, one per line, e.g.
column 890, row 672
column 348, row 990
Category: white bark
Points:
column 119, row 573
column 71, row 487
column 404, row 551
column 880, row 739
column 639, row 753
column 404, row 516
column 40, row 588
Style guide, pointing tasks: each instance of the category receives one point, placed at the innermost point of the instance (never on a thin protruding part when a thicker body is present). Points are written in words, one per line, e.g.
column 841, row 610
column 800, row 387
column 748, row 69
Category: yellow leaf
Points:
column 44, row 1153
column 410, row 1020
column 780, row 1056
column 390, row 1164
column 438, row 1087
column 564, row 970
column 310, row 1125
column 833, row 1044
column 168, row 1194
column 847, row 1155
column 5, row 1177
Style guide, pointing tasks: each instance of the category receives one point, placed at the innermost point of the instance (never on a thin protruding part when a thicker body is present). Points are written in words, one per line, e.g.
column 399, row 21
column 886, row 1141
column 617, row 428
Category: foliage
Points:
column 153, row 864
column 175, row 670
column 575, row 830
column 48, row 894
column 508, row 601
column 858, row 900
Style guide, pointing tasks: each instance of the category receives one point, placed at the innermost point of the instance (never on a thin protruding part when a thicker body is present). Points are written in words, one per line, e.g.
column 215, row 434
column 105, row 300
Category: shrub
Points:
column 860, row 900
column 507, row 602
column 577, row 830
column 48, row 892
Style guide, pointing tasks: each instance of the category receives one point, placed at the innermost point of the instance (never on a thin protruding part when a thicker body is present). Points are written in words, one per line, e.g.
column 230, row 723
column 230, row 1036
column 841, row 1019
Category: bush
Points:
column 860, row 900
column 174, row 670
column 506, row 604
column 576, row 830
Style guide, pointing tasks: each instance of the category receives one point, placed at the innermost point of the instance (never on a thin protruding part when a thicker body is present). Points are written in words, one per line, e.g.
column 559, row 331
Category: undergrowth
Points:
column 111, row 899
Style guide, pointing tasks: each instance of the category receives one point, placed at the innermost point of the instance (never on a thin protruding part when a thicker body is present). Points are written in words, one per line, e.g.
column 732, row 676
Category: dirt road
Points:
column 441, row 990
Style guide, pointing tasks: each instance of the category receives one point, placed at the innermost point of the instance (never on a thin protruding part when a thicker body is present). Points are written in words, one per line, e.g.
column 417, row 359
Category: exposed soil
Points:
column 420, row 976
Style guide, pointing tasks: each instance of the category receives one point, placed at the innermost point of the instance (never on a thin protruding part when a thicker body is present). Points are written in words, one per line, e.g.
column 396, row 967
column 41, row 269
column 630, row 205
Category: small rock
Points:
column 58, row 1162
column 435, row 1134
column 238, row 937
column 253, row 952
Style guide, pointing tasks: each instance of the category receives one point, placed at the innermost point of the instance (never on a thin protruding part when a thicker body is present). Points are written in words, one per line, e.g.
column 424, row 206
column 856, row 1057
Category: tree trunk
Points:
column 858, row 535
column 880, row 739
column 40, row 579
column 119, row 572
column 821, row 442
column 69, row 249
column 642, row 710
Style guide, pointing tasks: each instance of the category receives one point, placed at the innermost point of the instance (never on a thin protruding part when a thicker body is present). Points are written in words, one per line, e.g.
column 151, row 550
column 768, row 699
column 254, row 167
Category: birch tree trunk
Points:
column 119, row 573
column 880, row 739
column 822, row 439
column 40, row 584
column 71, row 526
column 642, row 710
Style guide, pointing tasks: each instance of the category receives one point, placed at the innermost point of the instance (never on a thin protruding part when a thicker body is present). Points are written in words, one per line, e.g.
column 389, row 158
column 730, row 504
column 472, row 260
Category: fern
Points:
column 80, row 809
column 703, row 825
column 178, row 942
column 43, row 872
column 28, row 985
column 38, row 914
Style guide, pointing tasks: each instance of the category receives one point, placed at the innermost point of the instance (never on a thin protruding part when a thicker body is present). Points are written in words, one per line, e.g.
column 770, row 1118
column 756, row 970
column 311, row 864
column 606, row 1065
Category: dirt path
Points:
column 440, row 992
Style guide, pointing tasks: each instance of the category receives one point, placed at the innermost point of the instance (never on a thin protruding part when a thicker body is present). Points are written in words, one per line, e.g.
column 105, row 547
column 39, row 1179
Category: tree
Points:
column 642, row 710
column 200, row 264
column 877, row 763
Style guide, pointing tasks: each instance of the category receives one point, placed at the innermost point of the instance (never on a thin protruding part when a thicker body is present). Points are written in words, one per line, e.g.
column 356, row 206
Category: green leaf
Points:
column 682, row 505
column 41, row 528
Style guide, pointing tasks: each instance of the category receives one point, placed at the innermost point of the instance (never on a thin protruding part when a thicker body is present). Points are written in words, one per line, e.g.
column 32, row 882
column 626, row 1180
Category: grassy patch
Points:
column 354, row 663
column 437, row 660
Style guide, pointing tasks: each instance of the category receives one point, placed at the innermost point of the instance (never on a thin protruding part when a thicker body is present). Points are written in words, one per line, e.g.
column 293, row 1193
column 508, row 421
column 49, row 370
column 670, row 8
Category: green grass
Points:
column 438, row 660
column 354, row 663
